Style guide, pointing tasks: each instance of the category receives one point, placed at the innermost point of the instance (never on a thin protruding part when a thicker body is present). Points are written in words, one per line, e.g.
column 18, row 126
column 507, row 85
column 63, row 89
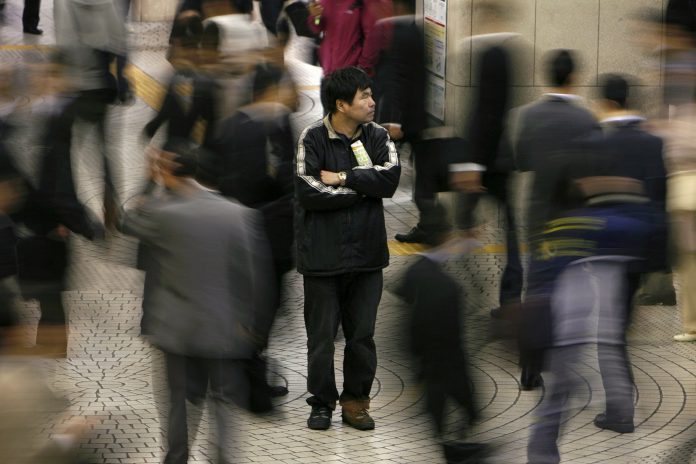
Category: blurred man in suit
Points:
column 541, row 132
column 213, row 268
column 485, row 168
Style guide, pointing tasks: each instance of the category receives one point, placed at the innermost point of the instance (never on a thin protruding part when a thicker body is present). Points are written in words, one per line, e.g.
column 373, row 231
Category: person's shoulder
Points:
column 316, row 129
column 372, row 129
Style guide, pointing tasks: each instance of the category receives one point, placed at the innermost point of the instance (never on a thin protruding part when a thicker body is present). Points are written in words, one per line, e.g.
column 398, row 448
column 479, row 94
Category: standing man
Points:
column 30, row 17
column 345, row 165
column 211, row 258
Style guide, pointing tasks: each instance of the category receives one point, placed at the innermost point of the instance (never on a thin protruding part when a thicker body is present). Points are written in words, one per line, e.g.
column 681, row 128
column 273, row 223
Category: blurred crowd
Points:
column 234, row 200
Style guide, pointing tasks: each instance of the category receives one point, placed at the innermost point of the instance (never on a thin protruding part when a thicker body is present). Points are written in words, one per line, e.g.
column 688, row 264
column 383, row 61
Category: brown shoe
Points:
column 354, row 413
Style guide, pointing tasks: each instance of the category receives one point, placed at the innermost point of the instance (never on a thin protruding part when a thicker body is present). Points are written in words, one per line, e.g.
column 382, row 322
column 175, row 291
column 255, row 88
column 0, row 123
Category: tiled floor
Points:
column 114, row 376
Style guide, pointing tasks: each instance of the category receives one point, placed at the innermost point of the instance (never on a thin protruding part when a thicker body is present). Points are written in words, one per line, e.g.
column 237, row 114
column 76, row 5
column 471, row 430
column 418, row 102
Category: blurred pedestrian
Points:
column 487, row 167
column 345, row 165
column 254, row 166
column 93, row 37
column 30, row 17
column 680, row 154
column 204, row 302
column 52, row 210
column 543, row 131
column 343, row 26
column 436, row 343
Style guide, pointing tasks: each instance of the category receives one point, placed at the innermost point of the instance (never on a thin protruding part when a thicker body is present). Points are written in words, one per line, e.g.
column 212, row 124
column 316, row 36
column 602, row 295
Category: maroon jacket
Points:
column 346, row 24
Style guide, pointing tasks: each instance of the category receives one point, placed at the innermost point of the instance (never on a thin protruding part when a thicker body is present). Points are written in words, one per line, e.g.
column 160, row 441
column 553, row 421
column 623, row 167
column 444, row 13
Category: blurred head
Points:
column 186, row 37
column 560, row 68
column 282, row 31
column 646, row 29
column 48, row 73
column 615, row 90
column 212, row 8
column 403, row 7
column 267, row 78
column 347, row 92
column 680, row 18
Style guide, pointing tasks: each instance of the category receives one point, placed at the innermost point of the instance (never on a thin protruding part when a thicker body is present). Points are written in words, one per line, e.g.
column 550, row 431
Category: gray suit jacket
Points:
column 213, row 272
column 546, row 132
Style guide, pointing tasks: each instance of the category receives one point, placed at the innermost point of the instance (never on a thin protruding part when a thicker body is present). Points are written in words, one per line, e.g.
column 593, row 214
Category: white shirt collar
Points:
column 622, row 118
column 564, row 96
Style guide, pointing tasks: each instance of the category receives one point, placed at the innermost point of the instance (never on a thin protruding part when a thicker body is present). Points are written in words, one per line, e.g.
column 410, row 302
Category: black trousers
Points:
column 92, row 106
column 30, row 16
column 351, row 299
column 227, row 384
column 496, row 185
column 431, row 172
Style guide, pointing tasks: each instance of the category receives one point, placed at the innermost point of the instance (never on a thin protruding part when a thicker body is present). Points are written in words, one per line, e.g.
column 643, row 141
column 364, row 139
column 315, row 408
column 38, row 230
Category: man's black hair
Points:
column 615, row 88
column 188, row 31
column 266, row 76
column 560, row 67
column 343, row 84
column 410, row 5
column 243, row 6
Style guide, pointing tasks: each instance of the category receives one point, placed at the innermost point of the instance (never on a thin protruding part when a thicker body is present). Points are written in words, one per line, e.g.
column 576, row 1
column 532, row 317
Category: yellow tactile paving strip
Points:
column 397, row 248
column 145, row 86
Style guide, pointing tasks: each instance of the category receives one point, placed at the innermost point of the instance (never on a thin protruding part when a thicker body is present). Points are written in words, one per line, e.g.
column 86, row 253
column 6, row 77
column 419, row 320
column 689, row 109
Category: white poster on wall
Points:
column 435, row 32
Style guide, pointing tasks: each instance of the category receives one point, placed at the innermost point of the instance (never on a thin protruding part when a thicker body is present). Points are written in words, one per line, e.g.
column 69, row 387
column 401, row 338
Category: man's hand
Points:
column 186, row 14
column 395, row 132
column 466, row 181
column 330, row 178
column 315, row 8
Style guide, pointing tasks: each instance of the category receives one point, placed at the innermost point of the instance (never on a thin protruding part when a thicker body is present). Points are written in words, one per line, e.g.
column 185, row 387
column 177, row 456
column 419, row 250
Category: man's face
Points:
column 361, row 109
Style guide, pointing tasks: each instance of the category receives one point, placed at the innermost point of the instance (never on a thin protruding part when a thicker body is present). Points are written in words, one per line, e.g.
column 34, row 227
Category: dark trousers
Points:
column 30, row 16
column 352, row 300
column 496, row 185
column 431, row 164
column 227, row 384
column 444, row 378
column 92, row 107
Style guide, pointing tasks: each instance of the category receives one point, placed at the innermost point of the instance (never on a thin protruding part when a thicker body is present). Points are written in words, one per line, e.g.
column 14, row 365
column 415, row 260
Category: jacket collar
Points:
column 622, row 120
column 332, row 132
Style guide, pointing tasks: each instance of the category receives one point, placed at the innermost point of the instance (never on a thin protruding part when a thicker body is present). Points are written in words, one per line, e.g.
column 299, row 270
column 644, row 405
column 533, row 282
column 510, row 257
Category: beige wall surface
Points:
column 603, row 34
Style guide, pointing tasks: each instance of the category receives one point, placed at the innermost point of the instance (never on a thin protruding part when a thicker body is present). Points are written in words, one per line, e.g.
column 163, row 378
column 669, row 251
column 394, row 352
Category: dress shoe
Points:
column 33, row 30
column 685, row 337
column 602, row 422
column 497, row 313
column 462, row 452
column 415, row 235
column 277, row 391
column 529, row 380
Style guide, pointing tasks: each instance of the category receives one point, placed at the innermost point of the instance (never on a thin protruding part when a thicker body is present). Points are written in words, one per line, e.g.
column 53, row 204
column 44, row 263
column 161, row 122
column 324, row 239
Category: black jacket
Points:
column 400, row 77
column 253, row 163
column 548, row 131
column 341, row 229
column 490, row 106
